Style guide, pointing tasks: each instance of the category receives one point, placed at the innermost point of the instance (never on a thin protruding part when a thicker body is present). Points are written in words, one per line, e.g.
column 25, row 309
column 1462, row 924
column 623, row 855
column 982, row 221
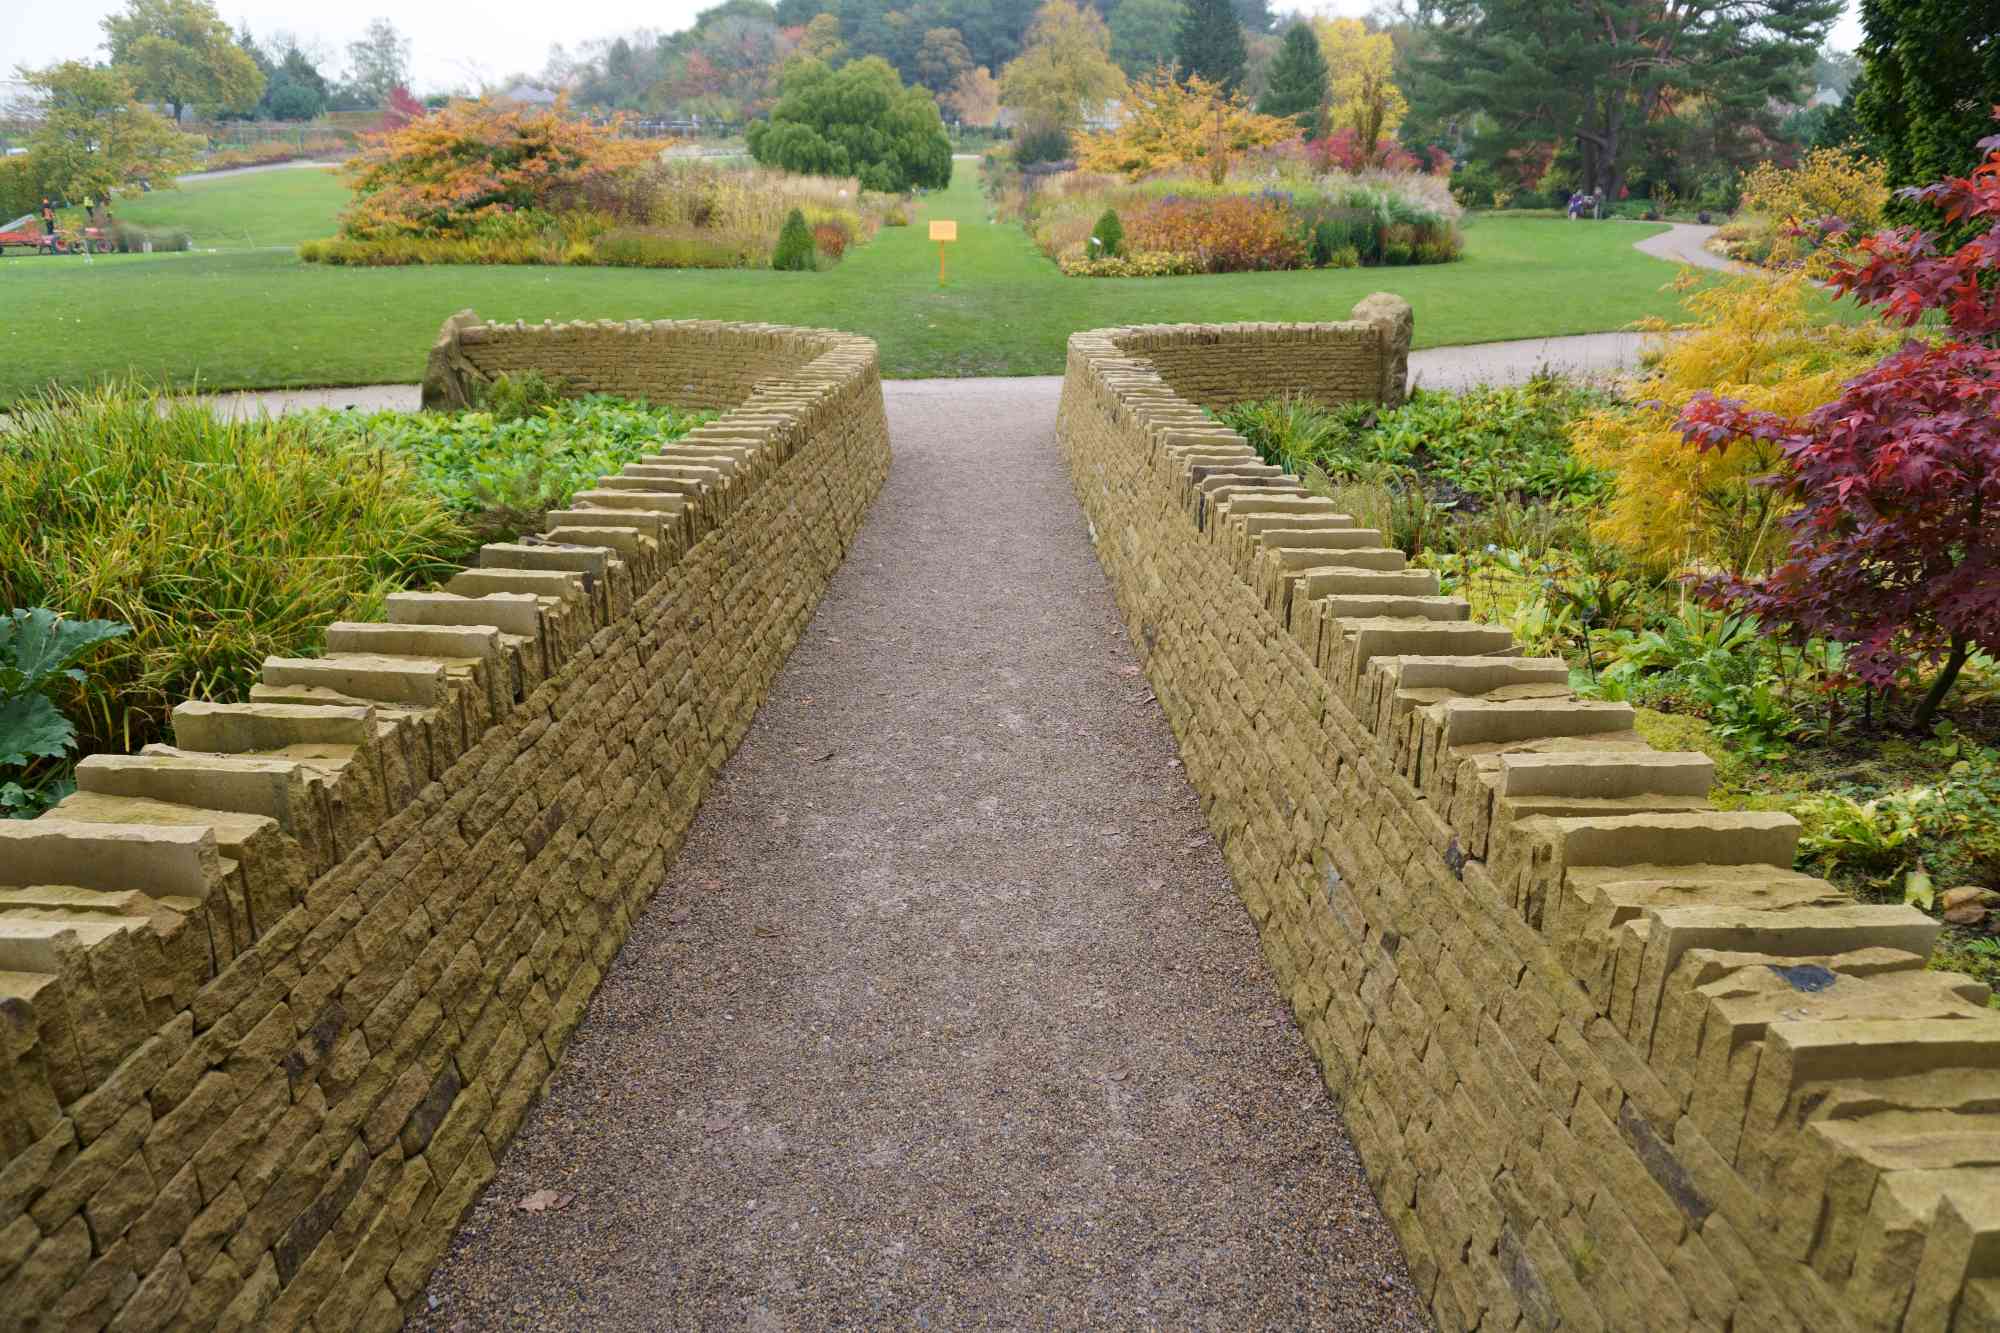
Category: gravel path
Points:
column 947, row 1015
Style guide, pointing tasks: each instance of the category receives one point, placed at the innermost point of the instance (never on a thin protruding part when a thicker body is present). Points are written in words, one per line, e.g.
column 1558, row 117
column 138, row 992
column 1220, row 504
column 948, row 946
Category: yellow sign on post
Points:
column 943, row 231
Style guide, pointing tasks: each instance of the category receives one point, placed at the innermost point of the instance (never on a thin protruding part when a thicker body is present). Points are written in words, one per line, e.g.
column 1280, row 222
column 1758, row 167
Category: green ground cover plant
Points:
column 1484, row 446
column 524, row 452
column 261, row 319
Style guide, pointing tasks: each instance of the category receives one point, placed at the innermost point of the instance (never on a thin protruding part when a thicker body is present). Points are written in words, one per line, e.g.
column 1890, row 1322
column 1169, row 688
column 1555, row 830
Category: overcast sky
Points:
column 453, row 43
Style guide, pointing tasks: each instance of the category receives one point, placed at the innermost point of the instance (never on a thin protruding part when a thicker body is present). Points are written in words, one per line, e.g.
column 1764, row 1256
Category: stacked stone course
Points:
column 274, row 998
column 1611, row 1063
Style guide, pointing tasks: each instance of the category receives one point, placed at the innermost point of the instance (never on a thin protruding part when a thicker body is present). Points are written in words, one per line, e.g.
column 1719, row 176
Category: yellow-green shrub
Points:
column 1842, row 183
column 1758, row 339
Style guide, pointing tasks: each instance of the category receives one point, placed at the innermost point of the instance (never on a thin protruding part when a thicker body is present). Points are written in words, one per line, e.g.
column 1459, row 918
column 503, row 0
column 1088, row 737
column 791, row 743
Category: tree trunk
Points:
column 1961, row 648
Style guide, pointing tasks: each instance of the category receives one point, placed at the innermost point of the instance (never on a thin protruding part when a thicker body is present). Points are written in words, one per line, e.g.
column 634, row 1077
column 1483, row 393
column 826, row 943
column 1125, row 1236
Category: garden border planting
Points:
column 273, row 999
column 1610, row 1061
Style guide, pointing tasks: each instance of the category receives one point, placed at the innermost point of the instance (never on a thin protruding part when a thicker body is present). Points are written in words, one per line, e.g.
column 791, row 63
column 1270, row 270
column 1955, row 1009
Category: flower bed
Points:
column 484, row 184
column 1511, row 495
column 1279, row 214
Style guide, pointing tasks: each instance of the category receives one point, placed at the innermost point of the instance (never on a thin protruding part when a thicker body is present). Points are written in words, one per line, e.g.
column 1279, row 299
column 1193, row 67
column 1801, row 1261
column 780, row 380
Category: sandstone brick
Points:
column 49, row 1269
column 29, row 1171
column 90, row 1170
column 246, row 1300
column 99, row 1109
column 122, row 1200
column 90, row 1299
column 158, row 1298
column 166, row 1219
column 213, row 1227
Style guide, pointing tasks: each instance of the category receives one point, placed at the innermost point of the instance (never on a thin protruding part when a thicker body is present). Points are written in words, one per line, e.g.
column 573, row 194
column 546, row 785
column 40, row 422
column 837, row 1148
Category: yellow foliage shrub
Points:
column 1174, row 123
column 1756, row 339
column 1842, row 183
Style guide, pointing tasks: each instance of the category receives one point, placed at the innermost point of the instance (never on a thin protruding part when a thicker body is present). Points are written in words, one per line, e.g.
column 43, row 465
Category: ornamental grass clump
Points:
column 218, row 542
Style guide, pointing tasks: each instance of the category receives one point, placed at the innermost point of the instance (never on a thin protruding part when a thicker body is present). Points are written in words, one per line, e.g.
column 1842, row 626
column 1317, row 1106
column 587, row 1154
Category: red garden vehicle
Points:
column 25, row 232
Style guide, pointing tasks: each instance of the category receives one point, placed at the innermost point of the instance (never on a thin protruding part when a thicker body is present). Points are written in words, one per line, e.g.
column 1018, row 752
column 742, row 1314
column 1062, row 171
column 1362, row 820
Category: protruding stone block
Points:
column 238, row 728
column 508, row 612
column 1626, row 773
column 468, row 642
column 400, row 680
column 160, row 861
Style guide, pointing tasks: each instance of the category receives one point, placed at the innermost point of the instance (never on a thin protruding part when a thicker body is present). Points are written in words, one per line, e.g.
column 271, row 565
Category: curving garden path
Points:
column 947, row 1015
column 1687, row 243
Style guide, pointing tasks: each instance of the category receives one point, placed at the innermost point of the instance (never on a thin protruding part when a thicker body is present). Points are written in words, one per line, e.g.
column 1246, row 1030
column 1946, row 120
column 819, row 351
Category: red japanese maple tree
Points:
column 1895, row 541
column 402, row 108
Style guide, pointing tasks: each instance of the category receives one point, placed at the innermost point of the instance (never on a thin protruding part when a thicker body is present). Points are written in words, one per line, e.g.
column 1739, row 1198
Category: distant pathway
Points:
column 947, row 1015
column 293, row 165
column 1687, row 243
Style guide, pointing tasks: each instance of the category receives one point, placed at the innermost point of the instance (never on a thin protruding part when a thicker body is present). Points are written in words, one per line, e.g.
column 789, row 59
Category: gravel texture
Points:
column 947, row 1015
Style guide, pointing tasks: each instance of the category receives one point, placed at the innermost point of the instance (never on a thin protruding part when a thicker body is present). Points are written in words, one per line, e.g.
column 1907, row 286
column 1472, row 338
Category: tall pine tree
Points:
column 1210, row 43
column 1603, row 76
column 1297, row 82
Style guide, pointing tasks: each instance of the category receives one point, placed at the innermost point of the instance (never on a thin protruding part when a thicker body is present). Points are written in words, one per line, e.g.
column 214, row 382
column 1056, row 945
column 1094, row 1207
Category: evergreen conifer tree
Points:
column 1930, row 79
column 1210, row 43
column 1298, row 79
column 795, row 245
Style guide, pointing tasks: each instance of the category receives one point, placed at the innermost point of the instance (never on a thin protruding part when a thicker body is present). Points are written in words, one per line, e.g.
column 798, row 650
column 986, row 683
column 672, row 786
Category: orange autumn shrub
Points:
column 1231, row 233
column 830, row 239
column 448, row 173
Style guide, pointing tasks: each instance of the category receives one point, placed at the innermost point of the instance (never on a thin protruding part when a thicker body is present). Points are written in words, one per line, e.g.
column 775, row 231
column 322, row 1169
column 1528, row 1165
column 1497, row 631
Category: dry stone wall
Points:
column 274, row 998
column 689, row 363
column 1366, row 357
column 1611, row 1063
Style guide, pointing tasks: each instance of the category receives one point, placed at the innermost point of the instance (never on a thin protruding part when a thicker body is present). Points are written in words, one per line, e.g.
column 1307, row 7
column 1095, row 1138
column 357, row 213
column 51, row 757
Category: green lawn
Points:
column 250, row 317
column 249, row 211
